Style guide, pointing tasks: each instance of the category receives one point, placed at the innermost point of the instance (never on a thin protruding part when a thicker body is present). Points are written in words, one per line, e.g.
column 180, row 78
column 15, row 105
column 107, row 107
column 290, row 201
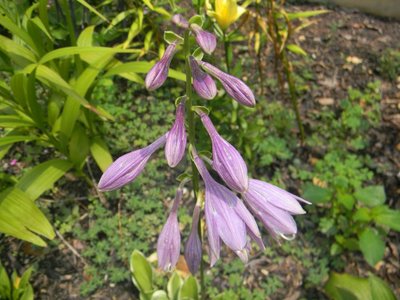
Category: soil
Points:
column 345, row 47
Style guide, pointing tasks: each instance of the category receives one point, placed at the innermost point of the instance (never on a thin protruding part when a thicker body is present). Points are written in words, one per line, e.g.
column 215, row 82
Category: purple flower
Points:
column 159, row 72
column 274, row 207
column 227, row 161
column 126, row 168
column 236, row 88
column 180, row 21
column 227, row 218
column 206, row 40
column 169, row 241
column 193, row 244
column 203, row 84
column 176, row 138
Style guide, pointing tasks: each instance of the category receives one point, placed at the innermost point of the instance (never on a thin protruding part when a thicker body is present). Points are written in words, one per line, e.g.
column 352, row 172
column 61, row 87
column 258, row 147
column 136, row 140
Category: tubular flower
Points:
column 227, row 161
column 227, row 12
column 227, row 218
column 236, row 88
column 206, row 40
column 176, row 138
column 193, row 244
column 274, row 207
column 159, row 72
column 180, row 21
column 127, row 167
column 169, row 241
column 203, row 84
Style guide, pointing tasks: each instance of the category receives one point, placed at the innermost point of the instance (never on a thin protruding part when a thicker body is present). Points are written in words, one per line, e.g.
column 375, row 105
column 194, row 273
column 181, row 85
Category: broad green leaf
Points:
column 383, row 215
column 371, row 195
column 306, row 14
column 19, row 217
column 372, row 246
column 13, row 121
column 42, row 177
column 159, row 295
column 196, row 19
column 100, row 153
column 346, row 200
column 7, row 140
column 380, row 289
column 296, row 49
column 347, row 287
column 316, row 194
column 27, row 293
column 15, row 50
column 142, row 274
column 93, row 10
column 85, row 39
column 174, row 284
column 189, row 289
column 78, row 146
column 362, row 214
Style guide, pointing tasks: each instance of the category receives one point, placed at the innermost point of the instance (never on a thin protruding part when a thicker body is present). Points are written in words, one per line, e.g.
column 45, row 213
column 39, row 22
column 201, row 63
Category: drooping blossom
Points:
column 176, row 138
column 180, row 21
column 206, row 40
column 227, row 161
column 127, row 167
column 227, row 218
column 236, row 88
column 203, row 84
column 193, row 244
column 274, row 207
column 159, row 72
column 169, row 241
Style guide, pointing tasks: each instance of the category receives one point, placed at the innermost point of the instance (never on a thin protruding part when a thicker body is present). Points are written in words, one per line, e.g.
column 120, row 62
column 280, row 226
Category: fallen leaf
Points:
column 326, row 101
column 354, row 60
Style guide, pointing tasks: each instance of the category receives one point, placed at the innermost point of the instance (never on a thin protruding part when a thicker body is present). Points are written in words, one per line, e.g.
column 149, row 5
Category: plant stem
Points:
column 192, row 139
column 226, row 48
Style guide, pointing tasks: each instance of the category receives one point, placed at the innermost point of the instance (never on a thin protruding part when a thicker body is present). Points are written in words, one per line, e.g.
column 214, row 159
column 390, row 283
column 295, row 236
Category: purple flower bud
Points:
column 225, row 214
column 206, row 40
column 203, row 84
column 159, row 72
column 274, row 207
column 236, row 88
column 126, row 168
column 176, row 138
column 193, row 244
column 180, row 21
column 169, row 241
column 227, row 161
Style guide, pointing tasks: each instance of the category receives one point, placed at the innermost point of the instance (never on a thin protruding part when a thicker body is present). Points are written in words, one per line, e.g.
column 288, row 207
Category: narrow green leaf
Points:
column 372, row 246
column 306, row 14
column 7, row 140
column 100, row 153
column 5, row 285
column 119, row 18
column 14, row 29
column 14, row 121
column 93, row 10
column 42, row 177
column 12, row 48
column 78, row 146
column 296, row 49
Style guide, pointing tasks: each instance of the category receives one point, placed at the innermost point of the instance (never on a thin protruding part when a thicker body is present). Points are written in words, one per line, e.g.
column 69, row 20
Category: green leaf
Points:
column 316, row 194
column 347, row 287
column 346, row 200
column 13, row 121
column 142, row 274
column 42, row 177
column 78, row 146
column 296, row 49
column 19, row 217
column 15, row 30
column 196, row 19
column 305, row 14
column 189, row 289
column 5, row 285
column 16, row 51
column 7, row 140
column 173, row 286
column 159, row 295
column 100, row 153
column 362, row 214
column 119, row 18
column 198, row 54
column 170, row 37
column 371, row 196
column 380, row 289
column 93, row 10
column 372, row 246
column 385, row 216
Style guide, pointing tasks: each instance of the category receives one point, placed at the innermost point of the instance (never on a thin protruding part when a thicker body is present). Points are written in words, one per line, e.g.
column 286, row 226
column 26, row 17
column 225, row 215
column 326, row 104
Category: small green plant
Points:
column 14, row 287
column 389, row 64
column 177, row 287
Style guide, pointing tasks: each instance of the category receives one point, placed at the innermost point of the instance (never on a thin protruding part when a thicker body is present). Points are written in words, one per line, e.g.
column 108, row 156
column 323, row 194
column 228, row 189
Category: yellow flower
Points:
column 227, row 12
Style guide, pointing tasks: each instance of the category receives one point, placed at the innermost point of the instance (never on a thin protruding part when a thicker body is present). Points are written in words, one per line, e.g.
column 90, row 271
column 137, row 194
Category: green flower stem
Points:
column 192, row 139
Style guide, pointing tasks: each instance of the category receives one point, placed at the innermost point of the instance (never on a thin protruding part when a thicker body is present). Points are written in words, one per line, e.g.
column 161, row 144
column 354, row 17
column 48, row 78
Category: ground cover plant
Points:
column 346, row 88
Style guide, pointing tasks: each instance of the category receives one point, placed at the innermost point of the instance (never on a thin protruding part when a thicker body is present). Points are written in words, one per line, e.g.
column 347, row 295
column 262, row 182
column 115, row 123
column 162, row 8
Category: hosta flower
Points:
column 227, row 218
column 169, row 241
column 227, row 161
column 206, row 40
column 159, row 72
column 180, row 21
column 274, row 207
column 236, row 88
column 227, row 12
column 193, row 244
column 176, row 138
column 203, row 84
column 127, row 167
